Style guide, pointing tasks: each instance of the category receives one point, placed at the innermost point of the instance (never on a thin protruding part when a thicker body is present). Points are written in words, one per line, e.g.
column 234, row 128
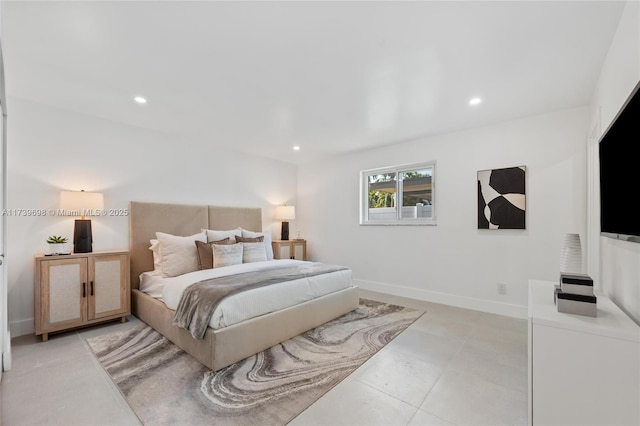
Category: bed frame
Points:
column 223, row 347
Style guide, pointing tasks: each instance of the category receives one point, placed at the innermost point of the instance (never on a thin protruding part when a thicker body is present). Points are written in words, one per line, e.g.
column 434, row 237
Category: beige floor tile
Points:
column 502, row 322
column 468, row 399
column 498, row 327
column 354, row 403
column 506, row 351
column 401, row 376
column 436, row 350
column 431, row 324
column 422, row 418
column 511, row 373
column 72, row 392
column 30, row 352
column 454, row 314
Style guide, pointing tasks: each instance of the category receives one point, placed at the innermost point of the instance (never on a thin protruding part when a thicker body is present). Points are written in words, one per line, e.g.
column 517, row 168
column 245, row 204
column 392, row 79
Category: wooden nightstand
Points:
column 289, row 249
column 80, row 289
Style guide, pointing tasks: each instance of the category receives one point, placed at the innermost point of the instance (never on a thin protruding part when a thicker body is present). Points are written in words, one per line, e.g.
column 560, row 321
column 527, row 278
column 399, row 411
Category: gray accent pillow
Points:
column 253, row 252
column 226, row 255
column 267, row 240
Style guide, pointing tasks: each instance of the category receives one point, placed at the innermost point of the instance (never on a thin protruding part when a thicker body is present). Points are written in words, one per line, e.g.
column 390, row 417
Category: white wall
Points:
column 52, row 150
column 619, row 260
column 454, row 262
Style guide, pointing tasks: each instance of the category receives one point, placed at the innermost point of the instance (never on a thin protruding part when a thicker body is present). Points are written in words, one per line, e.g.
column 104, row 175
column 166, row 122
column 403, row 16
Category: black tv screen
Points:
column 620, row 173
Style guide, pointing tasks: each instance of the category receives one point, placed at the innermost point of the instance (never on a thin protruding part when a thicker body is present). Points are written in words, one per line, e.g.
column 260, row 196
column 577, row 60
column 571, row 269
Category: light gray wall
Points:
column 454, row 262
column 52, row 150
column 619, row 260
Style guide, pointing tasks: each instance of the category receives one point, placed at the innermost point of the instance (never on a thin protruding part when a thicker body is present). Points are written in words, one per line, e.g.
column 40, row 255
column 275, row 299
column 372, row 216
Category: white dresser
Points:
column 582, row 370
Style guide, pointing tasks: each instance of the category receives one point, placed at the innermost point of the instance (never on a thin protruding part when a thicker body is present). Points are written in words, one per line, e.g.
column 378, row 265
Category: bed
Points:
column 219, row 347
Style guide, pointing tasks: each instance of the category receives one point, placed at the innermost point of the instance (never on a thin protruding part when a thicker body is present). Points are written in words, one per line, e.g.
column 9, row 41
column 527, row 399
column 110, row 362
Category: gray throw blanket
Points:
column 199, row 300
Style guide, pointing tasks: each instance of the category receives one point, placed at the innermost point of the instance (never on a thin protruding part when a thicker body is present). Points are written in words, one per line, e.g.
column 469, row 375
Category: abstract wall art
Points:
column 501, row 198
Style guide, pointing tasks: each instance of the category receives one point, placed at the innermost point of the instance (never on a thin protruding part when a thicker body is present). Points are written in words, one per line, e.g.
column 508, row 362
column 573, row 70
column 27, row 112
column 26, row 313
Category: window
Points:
column 400, row 195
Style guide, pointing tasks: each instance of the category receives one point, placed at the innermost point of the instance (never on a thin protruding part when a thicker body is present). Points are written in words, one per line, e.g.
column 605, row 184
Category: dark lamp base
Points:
column 284, row 235
column 82, row 238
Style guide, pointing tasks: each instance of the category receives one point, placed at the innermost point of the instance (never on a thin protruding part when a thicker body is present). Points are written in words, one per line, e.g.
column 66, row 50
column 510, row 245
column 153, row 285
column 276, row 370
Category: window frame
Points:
column 398, row 170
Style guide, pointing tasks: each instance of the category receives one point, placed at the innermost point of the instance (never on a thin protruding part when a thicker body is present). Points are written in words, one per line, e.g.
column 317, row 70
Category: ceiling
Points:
column 331, row 77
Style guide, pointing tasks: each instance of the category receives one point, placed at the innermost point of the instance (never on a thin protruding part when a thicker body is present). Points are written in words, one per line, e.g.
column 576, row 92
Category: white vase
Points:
column 56, row 248
column 571, row 254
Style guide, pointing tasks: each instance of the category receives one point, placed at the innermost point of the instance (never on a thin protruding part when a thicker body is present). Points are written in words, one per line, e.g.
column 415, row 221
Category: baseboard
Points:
column 22, row 327
column 490, row 306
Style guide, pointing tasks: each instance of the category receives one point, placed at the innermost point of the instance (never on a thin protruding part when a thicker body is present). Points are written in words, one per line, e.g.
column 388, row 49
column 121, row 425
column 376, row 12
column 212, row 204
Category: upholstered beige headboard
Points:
column 145, row 219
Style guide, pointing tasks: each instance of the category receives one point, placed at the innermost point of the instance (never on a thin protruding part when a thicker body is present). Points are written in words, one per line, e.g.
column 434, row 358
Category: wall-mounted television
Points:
column 620, row 173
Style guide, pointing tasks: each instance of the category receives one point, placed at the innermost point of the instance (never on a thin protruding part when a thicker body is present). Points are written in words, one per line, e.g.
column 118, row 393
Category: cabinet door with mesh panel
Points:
column 63, row 294
column 299, row 250
column 108, row 288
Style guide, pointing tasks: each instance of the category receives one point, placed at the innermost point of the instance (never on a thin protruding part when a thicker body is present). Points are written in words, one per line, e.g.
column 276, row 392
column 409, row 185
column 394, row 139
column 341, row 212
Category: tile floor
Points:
column 452, row 366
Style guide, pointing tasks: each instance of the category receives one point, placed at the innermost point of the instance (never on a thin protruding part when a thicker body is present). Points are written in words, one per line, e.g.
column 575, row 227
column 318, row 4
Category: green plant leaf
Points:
column 55, row 239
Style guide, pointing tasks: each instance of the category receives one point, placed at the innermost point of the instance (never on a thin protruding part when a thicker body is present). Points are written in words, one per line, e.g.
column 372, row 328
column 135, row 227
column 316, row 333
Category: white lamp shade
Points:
column 80, row 201
column 285, row 212
column 571, row 254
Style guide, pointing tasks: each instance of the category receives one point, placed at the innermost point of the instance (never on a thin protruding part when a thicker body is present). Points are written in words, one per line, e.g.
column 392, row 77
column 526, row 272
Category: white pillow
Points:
column 253, row 252
column 267, row 240
column 226, row 255
column 178, row 255
column 155, row 248
column 213, row 235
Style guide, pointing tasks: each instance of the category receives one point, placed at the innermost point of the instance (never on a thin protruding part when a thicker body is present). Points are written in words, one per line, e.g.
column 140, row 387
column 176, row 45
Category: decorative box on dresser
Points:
column 582, row 370
column 289, row 249
column 80, row 289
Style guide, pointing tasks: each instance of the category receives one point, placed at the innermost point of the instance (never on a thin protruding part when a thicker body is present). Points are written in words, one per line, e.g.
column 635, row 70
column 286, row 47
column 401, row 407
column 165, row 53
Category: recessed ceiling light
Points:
column 475, row 101
column 140, row 100
column 296, row 148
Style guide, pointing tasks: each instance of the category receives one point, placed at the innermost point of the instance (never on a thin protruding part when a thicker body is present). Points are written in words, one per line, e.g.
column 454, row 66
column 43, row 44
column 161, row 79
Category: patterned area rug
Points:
column 165, row 385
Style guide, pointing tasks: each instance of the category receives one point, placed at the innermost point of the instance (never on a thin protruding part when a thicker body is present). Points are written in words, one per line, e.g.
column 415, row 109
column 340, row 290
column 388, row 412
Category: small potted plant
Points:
column 56, row 244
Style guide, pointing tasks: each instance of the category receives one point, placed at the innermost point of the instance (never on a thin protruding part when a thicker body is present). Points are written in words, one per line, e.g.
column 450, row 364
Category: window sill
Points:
column 404, row 223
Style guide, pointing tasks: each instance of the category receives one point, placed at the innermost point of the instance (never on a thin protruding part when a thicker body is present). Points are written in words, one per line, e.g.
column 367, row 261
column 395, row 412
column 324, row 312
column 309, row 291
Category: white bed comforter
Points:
column 247, row 304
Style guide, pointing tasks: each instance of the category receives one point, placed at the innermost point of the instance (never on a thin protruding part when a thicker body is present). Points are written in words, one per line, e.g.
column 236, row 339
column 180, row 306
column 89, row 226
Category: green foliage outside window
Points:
column 380, row 199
